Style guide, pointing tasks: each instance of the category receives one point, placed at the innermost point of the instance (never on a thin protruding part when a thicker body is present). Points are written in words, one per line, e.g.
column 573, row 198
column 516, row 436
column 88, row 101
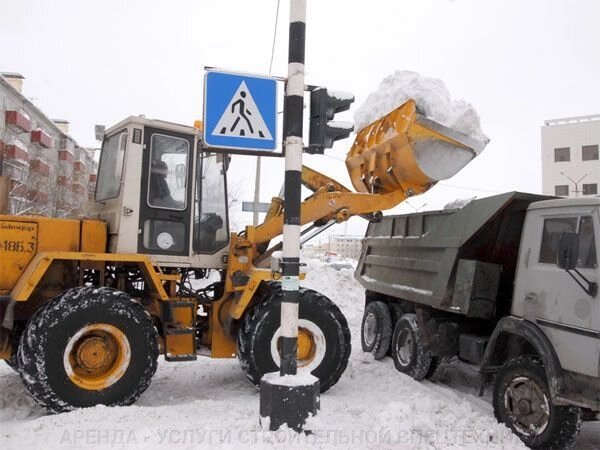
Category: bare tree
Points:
column 234, row 196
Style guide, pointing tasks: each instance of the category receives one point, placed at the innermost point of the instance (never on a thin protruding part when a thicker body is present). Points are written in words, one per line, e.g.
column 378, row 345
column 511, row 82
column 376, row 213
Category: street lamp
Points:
column 575, row 182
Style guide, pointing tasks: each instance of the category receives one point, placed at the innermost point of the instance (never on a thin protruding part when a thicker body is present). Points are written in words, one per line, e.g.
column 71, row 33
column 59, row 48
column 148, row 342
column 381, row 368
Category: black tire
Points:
column 562, row 423
column 256, row 336
column 55, row 328
column 18, row 329
column 12, row 362
column 435, row 364
column 376, row 329
column 407, row 348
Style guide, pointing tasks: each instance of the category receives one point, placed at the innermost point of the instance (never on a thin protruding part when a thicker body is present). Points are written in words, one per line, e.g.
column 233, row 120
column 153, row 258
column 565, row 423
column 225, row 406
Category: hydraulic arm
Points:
column 384, row 164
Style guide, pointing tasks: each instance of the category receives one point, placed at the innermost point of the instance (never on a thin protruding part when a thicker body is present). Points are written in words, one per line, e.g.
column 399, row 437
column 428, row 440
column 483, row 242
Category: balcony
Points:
column 37, row 196
column 18, row 120
column 63, row 181
column 16, row 152
column 78, row 188
column 39, row 166
column 64, row 155
column 42, row 138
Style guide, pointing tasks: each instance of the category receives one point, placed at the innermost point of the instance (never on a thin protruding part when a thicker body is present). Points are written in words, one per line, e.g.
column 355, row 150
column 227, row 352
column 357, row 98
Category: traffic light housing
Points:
column 323, row 131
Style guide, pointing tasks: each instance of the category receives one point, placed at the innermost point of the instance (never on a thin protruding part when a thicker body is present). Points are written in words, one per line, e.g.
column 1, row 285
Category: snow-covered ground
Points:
column 209, row 403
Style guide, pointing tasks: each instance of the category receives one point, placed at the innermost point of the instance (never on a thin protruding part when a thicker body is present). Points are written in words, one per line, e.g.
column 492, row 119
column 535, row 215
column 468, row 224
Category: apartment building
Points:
column 570, row 156
column 50, row 174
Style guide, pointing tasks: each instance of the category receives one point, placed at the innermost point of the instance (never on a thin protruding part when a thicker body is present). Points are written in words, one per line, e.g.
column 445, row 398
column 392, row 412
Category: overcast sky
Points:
column 518, row 62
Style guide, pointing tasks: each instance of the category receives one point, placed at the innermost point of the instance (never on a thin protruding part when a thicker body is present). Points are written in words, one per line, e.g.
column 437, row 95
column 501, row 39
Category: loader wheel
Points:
column 407, row 348
column 18, row 329
column 323, row 337
column 86, row 347
column 522, row 401
column 376, row 329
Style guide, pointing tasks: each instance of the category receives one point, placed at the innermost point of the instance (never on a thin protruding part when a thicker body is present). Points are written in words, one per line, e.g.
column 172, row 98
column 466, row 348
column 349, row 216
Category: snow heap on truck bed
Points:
column 433, row 101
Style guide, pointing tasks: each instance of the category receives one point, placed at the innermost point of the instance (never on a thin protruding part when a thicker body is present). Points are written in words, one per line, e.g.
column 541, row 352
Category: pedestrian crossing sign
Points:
column 240, row 113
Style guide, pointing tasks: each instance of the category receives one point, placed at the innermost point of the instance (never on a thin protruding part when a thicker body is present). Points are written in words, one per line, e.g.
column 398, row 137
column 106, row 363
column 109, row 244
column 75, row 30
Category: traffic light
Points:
column 324, row 104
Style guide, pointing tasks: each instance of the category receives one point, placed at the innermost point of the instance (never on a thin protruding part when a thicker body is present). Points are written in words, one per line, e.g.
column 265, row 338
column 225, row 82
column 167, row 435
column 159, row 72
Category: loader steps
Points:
column 179, row 331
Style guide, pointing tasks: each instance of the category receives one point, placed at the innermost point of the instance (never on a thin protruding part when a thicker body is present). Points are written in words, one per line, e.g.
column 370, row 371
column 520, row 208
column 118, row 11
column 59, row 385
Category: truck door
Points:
column 165, row 203
column 548, row 296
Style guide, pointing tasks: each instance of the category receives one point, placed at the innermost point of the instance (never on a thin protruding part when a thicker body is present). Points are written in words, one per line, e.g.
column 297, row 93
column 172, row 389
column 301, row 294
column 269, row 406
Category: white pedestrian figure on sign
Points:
column 241, row 118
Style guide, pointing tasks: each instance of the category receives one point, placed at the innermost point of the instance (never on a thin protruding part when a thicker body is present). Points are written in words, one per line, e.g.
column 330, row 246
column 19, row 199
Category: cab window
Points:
column 583, row 226
column 211, row 230
column 167, row 183
column 110, row 170
column 587, row 244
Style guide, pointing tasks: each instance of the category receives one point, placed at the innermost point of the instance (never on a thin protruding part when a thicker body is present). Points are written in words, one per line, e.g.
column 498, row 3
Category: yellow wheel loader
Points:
column 87, row 306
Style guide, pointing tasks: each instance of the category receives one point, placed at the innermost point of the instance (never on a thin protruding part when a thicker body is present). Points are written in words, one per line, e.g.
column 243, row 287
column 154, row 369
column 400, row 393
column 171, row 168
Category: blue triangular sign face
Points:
column 242, row 118
column 240, row 113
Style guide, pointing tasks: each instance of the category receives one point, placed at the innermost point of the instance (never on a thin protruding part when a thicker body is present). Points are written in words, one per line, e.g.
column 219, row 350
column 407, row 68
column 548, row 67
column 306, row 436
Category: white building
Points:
column 346, row 246
column 570, row 156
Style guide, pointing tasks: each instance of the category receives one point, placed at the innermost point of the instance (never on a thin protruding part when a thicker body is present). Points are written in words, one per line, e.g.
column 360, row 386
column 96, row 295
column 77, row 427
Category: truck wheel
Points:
column 435, row 364
column 376, row 329
column 86, row 347
column 407, row 348
column 522, row 402
column 323, row 338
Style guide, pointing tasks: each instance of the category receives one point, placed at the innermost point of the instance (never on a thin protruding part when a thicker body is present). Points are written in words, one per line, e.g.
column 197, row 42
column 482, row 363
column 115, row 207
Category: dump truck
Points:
column 508, row 284
column 88, row 305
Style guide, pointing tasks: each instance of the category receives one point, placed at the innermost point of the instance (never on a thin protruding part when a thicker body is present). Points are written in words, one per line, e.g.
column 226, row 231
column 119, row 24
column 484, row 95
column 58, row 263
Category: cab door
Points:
column 547, row 295
column 166, row 193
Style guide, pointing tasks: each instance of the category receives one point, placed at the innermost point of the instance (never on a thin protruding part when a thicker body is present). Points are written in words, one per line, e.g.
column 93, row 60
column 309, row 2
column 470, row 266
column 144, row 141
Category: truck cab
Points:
column 560, row 302
column 161, row 195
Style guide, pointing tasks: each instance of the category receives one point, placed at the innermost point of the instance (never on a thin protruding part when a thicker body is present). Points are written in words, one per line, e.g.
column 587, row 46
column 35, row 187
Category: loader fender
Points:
column 247, row 291
column 525, row 331
column 40, row 263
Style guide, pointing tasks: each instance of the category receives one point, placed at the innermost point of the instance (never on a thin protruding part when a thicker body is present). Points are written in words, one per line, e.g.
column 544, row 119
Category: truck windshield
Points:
column 110, row 170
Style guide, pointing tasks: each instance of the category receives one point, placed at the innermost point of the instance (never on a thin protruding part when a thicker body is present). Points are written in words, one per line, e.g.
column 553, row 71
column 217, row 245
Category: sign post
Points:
column 285, row 397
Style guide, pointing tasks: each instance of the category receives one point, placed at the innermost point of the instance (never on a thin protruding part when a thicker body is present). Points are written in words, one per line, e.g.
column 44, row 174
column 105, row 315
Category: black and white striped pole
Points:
column 287, row 398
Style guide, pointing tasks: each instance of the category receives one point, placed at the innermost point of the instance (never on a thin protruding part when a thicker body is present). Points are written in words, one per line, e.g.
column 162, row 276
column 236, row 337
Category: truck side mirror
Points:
column 568, row 250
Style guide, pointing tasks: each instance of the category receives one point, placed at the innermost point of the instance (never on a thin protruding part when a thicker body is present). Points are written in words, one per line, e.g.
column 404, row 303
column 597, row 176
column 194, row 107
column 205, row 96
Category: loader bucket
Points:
column 407, row 151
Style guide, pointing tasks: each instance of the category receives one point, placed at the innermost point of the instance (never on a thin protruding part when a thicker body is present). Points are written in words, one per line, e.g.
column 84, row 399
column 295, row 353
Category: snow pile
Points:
column 432, row 98
column 300, row 379
column 459, row 203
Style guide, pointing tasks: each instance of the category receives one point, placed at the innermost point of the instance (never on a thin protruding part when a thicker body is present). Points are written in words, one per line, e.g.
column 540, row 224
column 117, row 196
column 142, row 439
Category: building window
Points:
column 562, row 190
column 590, row 189
column 589, row 152
column 562, row 154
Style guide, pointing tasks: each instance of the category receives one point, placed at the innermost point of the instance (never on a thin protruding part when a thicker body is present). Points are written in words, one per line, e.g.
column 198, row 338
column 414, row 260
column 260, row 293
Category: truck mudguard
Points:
column 530, row 332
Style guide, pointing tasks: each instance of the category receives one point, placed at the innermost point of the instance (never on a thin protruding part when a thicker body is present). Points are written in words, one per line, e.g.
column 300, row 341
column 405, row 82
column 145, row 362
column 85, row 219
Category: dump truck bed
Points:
column 461, row 260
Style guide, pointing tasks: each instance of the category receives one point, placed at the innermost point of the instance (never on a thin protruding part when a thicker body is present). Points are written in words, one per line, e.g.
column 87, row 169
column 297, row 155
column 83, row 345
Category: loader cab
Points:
column 161, row 195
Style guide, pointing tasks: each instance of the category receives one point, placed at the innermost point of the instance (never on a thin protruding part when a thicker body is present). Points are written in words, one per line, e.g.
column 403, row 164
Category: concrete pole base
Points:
column 288, row 400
